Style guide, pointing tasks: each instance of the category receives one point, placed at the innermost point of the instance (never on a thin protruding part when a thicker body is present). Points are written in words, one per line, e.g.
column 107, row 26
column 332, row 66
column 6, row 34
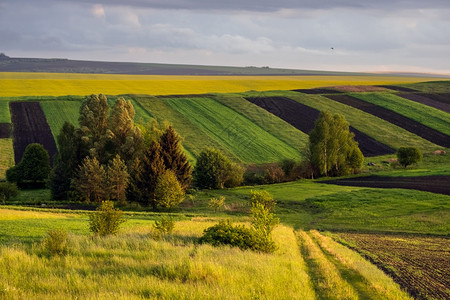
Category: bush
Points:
column 216, row 203
column 168, row 192
column 225, row 233
column 274, row 174
column 7, row 191
column 263, row 222
column 164, row 226
column 106, row 220
column 55, row 243
column 408, row 155
column 264, row 198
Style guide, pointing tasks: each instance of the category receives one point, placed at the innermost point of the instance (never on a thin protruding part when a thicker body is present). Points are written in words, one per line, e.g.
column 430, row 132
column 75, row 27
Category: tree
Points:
column 174, row 158
column 146, row 172
column 168, row 191
column 408, row 155
column 332, row 147
column 118, row 179
column 65, row 162
column 90, row 181
column 123, row 137
column 8, row 190
column 106, row 219
column 264, row 198
column 34, row 166
column 213, row 169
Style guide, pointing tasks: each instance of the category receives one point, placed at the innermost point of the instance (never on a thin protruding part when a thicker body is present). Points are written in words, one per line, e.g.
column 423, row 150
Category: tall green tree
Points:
column 118, row 179
column 65, row 162
column 122, row 137
column 146, row 173
column 168, row 191
column 34, row 166
column 333, row 150
column 90, row 181
column 174, row 158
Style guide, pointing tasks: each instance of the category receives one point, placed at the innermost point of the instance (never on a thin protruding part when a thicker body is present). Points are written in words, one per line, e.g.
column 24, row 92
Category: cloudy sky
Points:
column 342, row 35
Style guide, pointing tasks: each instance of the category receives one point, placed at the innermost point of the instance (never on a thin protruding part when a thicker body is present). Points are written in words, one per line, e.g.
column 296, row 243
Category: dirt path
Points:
column 303, row 117
column 30, row 126
column 434, row 184
column 417, row 128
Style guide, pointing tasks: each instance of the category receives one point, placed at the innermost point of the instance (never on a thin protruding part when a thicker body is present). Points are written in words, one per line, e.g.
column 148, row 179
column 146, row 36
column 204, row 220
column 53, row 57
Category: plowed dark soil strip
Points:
column 30, row 126
column 397, row 88
column 5, row 130
column 439, row 101
column 317, row 91
column 421, row 130
column 434, row 184
column 303, row 117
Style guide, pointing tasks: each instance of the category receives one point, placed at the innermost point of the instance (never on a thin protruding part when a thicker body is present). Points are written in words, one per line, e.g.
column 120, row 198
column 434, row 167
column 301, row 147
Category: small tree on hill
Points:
column 408, row 155
column 118, row 179
column 34, row 166
column 106, row 219
column 168, row 191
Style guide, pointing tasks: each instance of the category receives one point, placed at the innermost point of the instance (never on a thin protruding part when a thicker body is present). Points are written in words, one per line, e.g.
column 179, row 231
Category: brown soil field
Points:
column 439, row 101
column 5, row 130
column 30, row 126
column 397, row 88
column 302, row 117
column 421, row 130
column 359, row 88
column 419, row 264
column 434, row 184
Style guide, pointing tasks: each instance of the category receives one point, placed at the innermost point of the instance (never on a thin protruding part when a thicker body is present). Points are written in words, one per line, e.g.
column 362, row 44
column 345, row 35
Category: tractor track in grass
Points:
column 30, row 126
column 303, row 117
column 434, row 184
column 412, row 126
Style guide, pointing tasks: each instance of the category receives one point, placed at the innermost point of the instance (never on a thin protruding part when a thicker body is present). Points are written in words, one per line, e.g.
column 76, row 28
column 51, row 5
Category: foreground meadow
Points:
column 135, row 264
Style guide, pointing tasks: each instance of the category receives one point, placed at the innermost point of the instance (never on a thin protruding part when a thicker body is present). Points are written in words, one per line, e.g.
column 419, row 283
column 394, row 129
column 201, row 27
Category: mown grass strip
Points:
column 58, row 112
column 379, row 129
column 426, row 115
column 242, row 137
column 6, row 156
column 328, row 281
column 382, row 286
column 59, row 84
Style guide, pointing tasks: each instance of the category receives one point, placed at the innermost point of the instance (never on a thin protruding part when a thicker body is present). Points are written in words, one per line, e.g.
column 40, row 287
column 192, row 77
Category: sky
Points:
column 335, row 35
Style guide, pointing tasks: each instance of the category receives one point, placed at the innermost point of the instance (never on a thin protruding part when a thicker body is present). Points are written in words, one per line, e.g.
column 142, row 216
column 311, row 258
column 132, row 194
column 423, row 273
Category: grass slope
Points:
column 272, row 124
column 5, row 116
column 247, row 141
column 426, row 115
column 58, row 84
column 6, row 156
column 379, row 129
column 430, row 86
column 57, row 112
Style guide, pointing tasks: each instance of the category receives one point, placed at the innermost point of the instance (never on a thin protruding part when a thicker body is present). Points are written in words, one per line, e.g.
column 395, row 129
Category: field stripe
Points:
column 6, row 156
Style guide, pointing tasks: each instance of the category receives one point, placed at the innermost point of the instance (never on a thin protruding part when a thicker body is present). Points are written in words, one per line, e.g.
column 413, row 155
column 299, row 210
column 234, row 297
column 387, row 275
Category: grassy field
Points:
column 426, row 115
column 6, row 156
column 58, row 84
column 5, row 116
column 430, row 86
column 379, row 129
column 246, row 140
column 58, row 112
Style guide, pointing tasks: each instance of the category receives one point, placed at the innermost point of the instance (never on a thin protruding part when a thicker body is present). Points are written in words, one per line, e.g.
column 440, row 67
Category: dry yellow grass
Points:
column 60, row 84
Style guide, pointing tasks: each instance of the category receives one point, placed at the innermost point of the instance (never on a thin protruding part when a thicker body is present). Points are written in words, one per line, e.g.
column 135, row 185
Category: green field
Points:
column 60, row 111
column 247, row 141
column 5, row 117
column 426, row 115
column 6, row 156
column 429, row 86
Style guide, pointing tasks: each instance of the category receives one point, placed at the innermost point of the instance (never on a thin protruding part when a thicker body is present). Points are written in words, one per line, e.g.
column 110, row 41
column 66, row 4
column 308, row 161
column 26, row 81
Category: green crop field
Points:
column 247, row 141
column 429, row 86
column 5, row 116
column 6, row 156
column 59, row 111
column 426, row 115
column 374, row 127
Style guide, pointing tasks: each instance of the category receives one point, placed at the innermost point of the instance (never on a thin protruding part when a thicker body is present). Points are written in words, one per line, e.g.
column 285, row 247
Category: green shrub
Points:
column 408, row 155
column 263, row 222
column 217, row 203
column 264, row 198
column 225, row 233
column 106, row 220
column 7, row 191
column 168, row 192
column 55, row 243
column 164, row 226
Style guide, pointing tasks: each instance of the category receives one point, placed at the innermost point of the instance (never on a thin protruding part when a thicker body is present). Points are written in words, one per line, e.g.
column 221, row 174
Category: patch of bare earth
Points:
column 359, row 88
column 303, row 117
column 417, row 128
column 30, row 126
column 5, row 130
column 419, row 264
